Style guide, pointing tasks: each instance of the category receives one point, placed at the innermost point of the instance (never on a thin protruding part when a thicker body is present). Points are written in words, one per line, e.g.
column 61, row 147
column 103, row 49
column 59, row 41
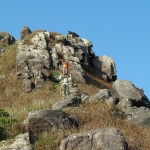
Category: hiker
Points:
column 65, row 78
column 65, row 66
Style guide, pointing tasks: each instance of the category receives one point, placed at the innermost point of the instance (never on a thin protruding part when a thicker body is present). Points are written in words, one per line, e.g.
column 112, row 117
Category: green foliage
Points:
column 5, row 123
column 55, row 73
column 3, row 120
column 46, row 142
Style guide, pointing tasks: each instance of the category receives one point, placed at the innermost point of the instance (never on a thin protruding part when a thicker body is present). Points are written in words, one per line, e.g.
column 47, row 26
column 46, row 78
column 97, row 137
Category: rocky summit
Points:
column 38, row 53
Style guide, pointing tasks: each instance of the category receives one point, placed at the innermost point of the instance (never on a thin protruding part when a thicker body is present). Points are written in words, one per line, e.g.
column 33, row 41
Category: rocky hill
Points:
column 37, row 57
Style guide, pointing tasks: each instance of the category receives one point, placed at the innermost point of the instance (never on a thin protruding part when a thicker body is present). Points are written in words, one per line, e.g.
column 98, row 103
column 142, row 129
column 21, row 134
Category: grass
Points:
column 8, row 60
column 98, row 115
column 2, row 43
column 50, row 40
column 92, row 115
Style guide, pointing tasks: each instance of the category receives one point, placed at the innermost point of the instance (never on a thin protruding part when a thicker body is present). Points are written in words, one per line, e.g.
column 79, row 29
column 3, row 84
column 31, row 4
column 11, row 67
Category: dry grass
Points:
column 93, row 78
column 8, row 60
column 98, row 115
column 94, row 83
column 18, row 104
column 51, row 41
column 29, row 37
column 3, row 34
column 2, row 44
column 92, row 115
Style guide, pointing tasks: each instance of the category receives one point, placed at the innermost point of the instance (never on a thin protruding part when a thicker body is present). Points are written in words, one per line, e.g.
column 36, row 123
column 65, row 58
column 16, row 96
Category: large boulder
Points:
column 42, row 53
column 24, row 31
column 39, row 40
column 83, row 95
column 126, row 89
column 60, row 39
column 6, row 39
column 46, row 121
column 103, row 95
column 26, row 85
column 77, row 73
column 69, row 101
column 139, row 116
column 107, row 67
column 21, row 142
column 33, row 62
column 104, row 138
column 124, row 104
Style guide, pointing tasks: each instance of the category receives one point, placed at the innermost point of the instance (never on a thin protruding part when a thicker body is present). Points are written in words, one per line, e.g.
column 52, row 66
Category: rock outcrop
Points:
column 46, row 121
column 5, row 39
column 107, row 67
column 104, row 138
column 40, row 52
column 126, row 89
column 24, row 31
column 139, row 116
column 69, row 101
column 20, row 142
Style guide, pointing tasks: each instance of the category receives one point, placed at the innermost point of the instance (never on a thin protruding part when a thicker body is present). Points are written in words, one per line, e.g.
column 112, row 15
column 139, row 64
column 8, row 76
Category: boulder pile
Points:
column 40, row 51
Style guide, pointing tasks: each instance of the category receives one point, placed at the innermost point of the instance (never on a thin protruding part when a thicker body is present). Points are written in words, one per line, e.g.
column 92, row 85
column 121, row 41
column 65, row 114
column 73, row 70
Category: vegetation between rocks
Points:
column 15, row 105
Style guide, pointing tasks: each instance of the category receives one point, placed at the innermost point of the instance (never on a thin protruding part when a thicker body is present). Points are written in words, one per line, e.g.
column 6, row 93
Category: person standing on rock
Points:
column 65, row 66
column 65, row 78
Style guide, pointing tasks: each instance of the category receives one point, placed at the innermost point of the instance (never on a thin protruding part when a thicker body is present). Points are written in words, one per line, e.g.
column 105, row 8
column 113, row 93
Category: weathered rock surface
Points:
column 27, row 85
column 139, row 116
column 125, row 89
column 24, row 31
column 107, row 67
column 43, row 53
column 43, row 121
column 33, row 63
column 69, row 101
column 21, row 142
column 104, row 138
column 83, row 95
column 124, row 104
column 102, row 95
column 6, row 38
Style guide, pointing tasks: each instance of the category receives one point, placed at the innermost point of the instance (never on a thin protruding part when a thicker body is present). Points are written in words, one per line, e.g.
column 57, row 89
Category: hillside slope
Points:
column 95, row 115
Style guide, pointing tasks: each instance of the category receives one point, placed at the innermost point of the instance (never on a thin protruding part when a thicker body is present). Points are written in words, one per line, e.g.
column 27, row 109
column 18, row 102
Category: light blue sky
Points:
column 119, row 29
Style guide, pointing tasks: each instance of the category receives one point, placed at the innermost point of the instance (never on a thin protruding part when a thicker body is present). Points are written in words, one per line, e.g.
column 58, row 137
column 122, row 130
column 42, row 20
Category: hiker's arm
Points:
column 62, row 61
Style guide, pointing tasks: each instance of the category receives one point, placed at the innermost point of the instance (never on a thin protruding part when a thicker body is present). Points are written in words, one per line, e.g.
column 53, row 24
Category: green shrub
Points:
column 3, row 119
column 47, row 142
column 5, row 123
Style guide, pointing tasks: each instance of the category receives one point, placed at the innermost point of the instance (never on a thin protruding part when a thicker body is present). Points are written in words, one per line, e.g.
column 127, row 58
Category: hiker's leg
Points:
column 64, row 87
column 67, row 89
column 63, row 71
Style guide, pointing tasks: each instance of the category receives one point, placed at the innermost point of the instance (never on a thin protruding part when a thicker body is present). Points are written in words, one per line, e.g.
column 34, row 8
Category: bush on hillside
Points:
column 5, row 123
